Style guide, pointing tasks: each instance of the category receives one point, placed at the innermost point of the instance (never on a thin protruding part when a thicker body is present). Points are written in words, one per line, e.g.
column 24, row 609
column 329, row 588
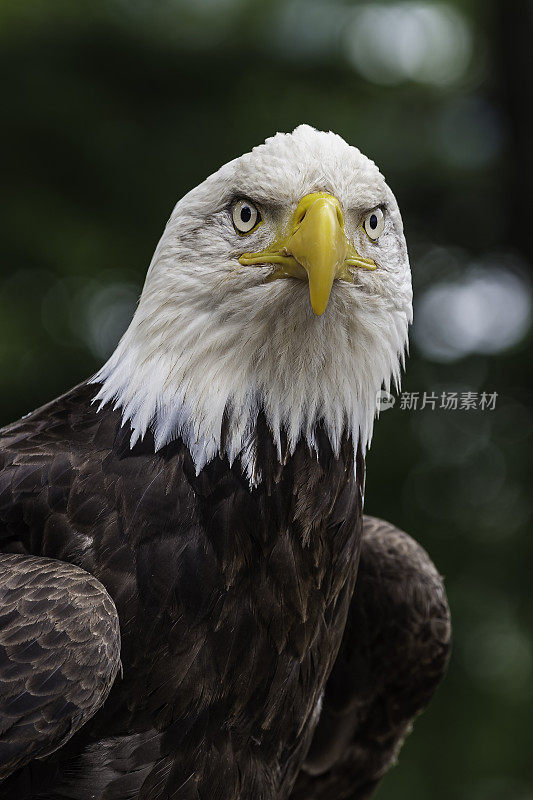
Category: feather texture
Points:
column 59, row 655
column 231, row 602
column 394, row 653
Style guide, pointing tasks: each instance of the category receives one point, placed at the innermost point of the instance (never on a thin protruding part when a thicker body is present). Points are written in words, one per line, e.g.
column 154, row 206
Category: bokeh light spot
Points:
column 424, row 42
column 486, row 310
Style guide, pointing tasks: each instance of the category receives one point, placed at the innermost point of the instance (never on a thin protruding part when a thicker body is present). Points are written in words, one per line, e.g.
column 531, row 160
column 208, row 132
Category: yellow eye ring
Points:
column 374, row 223
column 246, row 217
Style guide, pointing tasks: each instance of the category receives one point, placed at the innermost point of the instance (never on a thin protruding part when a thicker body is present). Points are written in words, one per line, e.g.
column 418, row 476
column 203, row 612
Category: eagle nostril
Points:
column 300, row 217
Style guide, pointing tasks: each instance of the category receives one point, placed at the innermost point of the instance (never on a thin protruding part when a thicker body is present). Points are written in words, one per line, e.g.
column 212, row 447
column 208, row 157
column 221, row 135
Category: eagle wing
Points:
column 59, row 655
column 394, row 652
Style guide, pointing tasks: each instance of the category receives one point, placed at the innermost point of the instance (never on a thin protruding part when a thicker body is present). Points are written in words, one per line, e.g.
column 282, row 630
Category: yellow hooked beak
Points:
column 315, row 248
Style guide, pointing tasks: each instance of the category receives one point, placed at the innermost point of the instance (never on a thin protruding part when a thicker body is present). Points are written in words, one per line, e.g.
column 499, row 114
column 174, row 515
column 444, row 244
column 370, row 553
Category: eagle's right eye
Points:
column 245, row 216
column 374, row 224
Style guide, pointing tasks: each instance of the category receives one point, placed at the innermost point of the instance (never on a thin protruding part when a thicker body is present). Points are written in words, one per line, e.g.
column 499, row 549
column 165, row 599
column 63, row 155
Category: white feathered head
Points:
column 281, row 284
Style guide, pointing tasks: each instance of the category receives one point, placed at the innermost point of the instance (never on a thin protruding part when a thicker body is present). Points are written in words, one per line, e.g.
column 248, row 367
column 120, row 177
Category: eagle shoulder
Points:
column 59, row 655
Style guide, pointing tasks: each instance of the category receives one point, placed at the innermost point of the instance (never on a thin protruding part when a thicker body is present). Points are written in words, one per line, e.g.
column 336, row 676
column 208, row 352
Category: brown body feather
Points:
column 232, row 605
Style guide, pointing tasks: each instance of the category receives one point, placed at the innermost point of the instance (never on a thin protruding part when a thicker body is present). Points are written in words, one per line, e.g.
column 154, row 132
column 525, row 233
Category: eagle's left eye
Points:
column 245, row 216
column 374, row 223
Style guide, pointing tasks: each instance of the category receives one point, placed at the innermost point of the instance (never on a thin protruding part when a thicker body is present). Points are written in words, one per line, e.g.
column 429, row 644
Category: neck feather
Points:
column 208, row 383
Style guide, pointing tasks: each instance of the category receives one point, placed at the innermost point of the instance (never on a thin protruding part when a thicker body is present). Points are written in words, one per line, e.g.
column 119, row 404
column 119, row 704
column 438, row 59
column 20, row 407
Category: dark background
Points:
column 112, row 110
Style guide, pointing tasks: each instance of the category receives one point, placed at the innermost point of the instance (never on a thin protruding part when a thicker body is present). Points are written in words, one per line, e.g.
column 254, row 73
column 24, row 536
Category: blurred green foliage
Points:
column 112, row 110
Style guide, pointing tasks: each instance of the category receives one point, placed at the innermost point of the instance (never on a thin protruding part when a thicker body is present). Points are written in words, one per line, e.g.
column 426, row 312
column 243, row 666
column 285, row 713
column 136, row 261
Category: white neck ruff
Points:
column 177, row 373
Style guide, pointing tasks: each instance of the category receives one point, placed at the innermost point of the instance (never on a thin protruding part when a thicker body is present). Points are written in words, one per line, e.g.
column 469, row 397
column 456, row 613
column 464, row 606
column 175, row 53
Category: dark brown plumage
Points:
column 394, row 652
column 59, row 655
column 232, row 605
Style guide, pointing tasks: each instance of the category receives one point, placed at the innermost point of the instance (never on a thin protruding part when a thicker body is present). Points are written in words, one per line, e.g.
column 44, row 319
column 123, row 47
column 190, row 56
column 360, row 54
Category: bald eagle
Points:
column 181, row 534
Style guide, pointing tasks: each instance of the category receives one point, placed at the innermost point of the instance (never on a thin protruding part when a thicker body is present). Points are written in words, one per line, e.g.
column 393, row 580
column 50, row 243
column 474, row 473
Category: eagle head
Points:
column 281, row 285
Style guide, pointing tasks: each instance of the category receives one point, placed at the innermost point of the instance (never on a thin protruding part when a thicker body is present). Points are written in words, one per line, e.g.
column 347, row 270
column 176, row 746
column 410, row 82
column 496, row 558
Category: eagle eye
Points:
column 245, row 216
column 374, row 223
